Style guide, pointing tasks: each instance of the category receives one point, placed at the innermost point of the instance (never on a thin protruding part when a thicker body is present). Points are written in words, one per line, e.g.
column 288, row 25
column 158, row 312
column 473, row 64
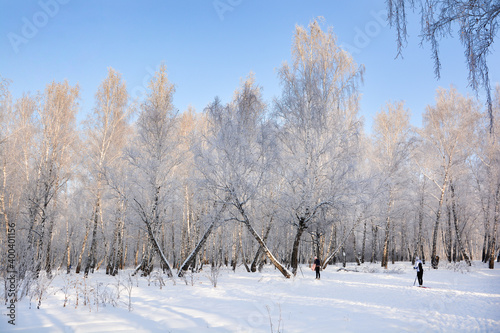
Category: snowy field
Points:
column 458, row 299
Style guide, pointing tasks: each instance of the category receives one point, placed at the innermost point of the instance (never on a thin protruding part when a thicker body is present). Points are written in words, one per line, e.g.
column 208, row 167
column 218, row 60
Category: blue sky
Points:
column 208, row 46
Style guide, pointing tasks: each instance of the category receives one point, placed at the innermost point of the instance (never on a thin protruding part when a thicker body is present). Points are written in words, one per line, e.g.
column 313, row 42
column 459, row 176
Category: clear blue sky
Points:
column 209, row 45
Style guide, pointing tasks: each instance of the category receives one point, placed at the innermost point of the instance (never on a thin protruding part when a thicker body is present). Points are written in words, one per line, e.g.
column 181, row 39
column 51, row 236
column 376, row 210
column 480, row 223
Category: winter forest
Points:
column 142, row 185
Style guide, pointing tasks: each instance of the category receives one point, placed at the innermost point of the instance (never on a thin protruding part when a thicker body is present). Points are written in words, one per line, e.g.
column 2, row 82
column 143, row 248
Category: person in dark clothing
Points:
column 317, row 267
column 420, row 271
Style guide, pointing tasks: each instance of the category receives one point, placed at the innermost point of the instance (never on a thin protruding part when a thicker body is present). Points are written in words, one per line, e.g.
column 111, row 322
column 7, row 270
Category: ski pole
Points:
column 415, row 280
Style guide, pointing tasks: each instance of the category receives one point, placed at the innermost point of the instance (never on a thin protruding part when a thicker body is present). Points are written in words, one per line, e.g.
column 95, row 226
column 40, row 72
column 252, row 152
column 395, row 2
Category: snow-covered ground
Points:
column 369, row 300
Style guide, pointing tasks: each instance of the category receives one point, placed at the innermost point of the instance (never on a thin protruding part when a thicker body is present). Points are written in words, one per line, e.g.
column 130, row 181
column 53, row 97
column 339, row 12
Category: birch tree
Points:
column 317, row 124
column 154, row 159
column 392, row 140
column 6, row 131
column 106, row 137
column 447, row 127
column 235, row 159
column 18, row 147
column 486, row 173
column 57, row 115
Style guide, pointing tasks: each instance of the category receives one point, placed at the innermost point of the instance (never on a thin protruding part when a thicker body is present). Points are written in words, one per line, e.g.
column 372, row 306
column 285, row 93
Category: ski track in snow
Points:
column 373, row 300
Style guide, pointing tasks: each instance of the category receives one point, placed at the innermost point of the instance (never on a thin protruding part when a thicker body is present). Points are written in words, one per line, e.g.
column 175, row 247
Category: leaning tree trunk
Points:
column 259, row 240
column 192, row 255
column 340, row 246
column 158, row 250
column 151, row 234
column 253, row 266
column 185, row 265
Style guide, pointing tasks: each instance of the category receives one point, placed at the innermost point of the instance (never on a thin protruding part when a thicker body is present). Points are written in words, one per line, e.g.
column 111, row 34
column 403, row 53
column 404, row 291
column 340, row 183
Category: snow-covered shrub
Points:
column 370, row 269
column 460, row 266
column 157, row 278
column 40, row 288
column 67, row 281
column 271, row 320
column 125, row 284
column 189, row 278
column 394, row 270
column 213, row 275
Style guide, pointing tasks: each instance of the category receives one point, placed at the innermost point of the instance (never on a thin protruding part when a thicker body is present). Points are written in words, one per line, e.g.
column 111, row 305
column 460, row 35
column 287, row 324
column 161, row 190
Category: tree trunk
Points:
column 496, row 217
column 79, row 264
column 354, row 246
column 449, row 238
column 137, row 248
column 364, row 244
column 457, row 232
column 258, row 254
column 192, row 255
column 185, row 265
column 235, row 249
column 114, row 247
column 418, row 245
column 91, row 258
column 344, row 259
column 48, row 264
column 259, row 240
column 118, row 263
column 243, row 256
column 485, row 240
column 374, row 243
column 43, row 221
column 340, row 246
column 159, row 251
column 152, row 238
column 385, row 253
column 393, row 243
column 68, row 249
column 296, row 242
column 434, row 260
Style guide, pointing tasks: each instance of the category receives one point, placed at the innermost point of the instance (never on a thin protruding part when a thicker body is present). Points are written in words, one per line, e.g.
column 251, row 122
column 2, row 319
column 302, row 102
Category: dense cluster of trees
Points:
column 140, row 184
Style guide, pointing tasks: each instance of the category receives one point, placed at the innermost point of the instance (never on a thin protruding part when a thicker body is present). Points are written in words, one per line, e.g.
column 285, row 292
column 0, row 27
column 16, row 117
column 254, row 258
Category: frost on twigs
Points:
column 460, row 266
column 40, row 288
column 213, row 275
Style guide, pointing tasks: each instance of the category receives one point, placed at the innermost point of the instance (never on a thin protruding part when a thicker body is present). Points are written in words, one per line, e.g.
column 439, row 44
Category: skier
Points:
column 316, row 266
column 420, row 271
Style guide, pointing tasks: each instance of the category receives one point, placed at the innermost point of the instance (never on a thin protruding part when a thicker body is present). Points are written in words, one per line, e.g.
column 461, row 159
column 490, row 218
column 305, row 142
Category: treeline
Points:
column 140, row 184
